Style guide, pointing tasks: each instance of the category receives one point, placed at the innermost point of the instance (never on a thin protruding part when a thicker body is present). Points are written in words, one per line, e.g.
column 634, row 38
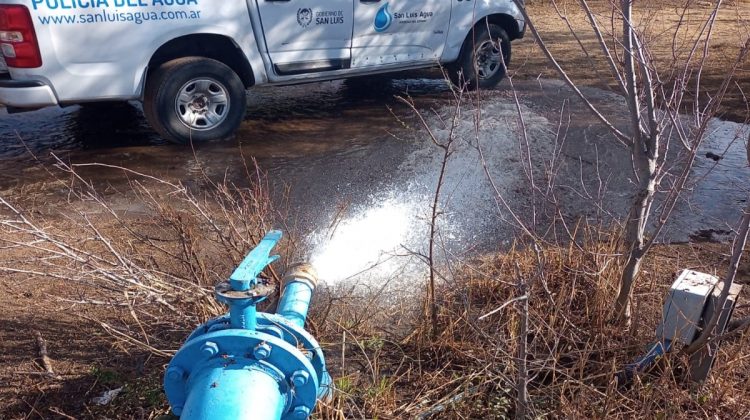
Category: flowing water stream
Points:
column 358, row 172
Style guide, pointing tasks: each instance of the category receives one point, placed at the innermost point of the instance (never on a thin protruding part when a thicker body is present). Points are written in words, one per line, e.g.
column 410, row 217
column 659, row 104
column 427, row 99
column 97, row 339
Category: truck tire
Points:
column 479, row 66
column 194, row 100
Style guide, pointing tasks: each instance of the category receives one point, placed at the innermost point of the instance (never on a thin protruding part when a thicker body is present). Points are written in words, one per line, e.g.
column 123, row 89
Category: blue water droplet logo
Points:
column 383, row 19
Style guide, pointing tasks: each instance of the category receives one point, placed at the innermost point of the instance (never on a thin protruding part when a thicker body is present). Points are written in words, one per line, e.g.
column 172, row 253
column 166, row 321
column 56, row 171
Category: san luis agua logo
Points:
column 383, row 19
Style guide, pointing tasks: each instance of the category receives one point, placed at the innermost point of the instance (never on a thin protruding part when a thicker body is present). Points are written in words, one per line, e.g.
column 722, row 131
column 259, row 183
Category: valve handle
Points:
column 246, row 274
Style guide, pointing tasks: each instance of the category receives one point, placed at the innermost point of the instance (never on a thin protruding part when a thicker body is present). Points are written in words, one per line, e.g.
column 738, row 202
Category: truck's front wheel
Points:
column 484, row 57
column 194, row 99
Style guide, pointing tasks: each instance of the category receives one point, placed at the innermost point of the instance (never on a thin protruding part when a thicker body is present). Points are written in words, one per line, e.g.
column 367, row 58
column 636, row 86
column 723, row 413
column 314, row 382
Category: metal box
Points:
column 683, row 309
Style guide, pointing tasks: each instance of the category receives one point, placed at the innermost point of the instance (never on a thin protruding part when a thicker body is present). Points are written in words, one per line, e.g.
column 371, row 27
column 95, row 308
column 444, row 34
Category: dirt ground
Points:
column 731, row 31
column 88, row 360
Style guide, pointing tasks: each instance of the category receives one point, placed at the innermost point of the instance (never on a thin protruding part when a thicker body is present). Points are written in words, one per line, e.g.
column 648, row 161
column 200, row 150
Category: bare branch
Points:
column 624, row 139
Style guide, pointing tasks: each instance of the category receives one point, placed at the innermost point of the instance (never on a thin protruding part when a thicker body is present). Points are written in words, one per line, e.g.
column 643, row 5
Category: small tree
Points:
column 661, row 143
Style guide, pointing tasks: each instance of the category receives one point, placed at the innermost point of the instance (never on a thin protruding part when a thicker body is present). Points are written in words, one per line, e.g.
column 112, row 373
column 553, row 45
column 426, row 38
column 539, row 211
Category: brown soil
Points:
column 731, row 32
column 89, row 361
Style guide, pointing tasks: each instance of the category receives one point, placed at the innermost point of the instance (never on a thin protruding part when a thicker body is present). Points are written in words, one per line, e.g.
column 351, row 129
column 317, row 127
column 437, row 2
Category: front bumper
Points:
column 25, row 94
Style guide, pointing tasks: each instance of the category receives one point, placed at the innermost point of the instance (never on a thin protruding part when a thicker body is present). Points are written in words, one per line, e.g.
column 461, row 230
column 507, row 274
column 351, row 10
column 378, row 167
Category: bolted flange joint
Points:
column 262, row 351
column 175, row 374
column 300, row 378
column 209, row 349
column 301, row 412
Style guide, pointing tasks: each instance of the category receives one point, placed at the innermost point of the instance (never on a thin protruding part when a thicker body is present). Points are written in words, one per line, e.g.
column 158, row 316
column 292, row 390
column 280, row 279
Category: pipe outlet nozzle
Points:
column 304, row 272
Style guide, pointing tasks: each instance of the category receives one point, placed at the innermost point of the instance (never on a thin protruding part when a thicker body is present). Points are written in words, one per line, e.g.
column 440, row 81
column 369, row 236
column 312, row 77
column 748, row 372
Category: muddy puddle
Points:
column 357, row 171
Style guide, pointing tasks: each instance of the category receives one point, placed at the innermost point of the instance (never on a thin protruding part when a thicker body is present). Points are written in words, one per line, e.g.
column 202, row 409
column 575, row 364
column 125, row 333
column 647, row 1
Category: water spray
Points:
column 249, row 364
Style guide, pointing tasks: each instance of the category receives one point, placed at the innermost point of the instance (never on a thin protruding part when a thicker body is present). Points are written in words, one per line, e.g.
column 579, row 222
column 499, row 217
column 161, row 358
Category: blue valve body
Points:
column 251, row 365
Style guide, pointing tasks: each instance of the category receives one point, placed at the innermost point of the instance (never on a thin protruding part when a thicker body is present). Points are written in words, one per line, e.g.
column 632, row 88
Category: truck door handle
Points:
column 369, row 1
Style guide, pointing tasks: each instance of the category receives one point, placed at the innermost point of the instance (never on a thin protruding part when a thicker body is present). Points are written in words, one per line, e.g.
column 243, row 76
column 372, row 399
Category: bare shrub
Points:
column 155, row 257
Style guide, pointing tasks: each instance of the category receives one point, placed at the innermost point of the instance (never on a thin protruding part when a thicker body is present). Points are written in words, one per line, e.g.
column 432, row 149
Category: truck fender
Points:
column 464, row 21
column 245, row 43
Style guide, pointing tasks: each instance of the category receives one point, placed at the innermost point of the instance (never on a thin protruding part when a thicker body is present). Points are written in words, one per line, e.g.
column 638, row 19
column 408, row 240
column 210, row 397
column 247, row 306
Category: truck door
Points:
column 307, row 36
column 399, row 31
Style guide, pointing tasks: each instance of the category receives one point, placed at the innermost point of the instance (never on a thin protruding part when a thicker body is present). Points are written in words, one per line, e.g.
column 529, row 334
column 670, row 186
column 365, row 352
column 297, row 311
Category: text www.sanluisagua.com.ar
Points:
column 104, row 16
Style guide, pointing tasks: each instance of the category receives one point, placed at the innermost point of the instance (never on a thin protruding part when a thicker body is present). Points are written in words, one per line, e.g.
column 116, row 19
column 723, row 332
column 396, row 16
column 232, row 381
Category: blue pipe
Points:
column 294, row 305
column 654, row 353
column 295, row 299
column 226, row 394
column 247, row 364
column 295, row 302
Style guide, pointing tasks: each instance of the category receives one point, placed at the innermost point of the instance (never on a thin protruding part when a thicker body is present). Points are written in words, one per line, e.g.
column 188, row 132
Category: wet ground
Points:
column 358, row 170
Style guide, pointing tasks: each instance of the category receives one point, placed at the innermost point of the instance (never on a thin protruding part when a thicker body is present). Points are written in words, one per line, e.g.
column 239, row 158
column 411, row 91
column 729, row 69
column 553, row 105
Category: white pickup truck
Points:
column 191, row 61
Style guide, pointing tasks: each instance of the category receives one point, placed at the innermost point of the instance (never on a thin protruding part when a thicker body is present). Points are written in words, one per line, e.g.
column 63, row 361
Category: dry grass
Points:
column 469, row 371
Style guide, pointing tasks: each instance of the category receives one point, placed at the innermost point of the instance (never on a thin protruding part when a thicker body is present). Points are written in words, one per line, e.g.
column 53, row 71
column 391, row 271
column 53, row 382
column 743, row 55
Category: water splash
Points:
column 368, row 242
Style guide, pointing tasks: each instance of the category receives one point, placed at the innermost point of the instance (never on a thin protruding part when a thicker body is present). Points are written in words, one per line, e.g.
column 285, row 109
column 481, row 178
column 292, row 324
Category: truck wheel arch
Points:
column 457, row 43
column 505, row 21
column 218, row 47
